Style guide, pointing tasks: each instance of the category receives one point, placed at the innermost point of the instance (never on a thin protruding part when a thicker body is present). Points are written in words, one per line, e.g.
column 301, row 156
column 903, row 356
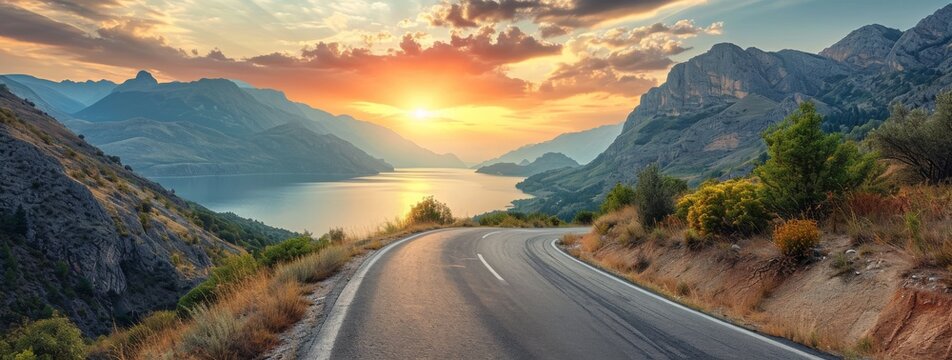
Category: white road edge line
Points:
column 327, row 336
column 492, row 233
column 490, row 268
column 706, row 316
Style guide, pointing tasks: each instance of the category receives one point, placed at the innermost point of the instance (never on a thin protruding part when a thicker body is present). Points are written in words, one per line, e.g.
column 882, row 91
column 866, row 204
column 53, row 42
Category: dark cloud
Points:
column 91, row 9
column 511, row 45
column 591, row 76
column 558, row 16
column 552, row 30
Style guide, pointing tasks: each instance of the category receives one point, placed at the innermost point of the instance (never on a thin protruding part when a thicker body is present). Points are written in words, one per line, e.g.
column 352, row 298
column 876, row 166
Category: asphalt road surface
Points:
column 482, row 293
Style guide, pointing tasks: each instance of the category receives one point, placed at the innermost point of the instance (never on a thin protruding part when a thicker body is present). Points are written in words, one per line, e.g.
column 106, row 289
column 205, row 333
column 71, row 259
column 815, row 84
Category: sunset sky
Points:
column 472, row 77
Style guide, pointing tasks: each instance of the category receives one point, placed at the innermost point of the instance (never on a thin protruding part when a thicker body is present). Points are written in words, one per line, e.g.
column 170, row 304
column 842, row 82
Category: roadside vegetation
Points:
column 817, row 203
column 239, row 311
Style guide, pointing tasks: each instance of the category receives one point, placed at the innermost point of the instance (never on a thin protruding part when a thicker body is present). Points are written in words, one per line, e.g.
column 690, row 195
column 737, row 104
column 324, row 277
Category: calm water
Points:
column 302, row 202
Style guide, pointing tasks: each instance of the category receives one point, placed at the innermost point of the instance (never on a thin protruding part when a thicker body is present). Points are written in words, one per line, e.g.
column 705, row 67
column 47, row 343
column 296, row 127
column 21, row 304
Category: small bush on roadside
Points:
column 618, row 197
column 724, row 208
column 795, row 238
column 290, row 249
column 47, row 339
column 584, row 217
column 123, row 343
column 654, row 195
column 430, row 210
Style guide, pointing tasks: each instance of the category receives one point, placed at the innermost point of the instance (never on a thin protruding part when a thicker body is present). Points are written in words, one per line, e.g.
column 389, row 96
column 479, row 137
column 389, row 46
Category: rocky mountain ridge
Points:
column 546, row 162
column 582, row 146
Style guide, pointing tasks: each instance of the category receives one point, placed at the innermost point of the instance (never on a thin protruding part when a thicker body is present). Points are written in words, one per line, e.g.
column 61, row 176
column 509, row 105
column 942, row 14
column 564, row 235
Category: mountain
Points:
column 144, row 81
column 213, row 127
column 582, row 146
column 546, row 162
column 376, row 140
column 82, row 235
column 85, row 92
column 705, row 120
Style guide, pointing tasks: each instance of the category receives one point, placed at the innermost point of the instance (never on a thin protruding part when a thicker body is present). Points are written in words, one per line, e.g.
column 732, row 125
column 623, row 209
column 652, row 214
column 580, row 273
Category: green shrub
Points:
column 428, row 211
column 201, row 294
column 232, row 270
column 795, row 238
column 807, row 166
column 289, row 249
column 654, row 195
column 584, row 217
column 620, row 196
column 724, row 208
column 48, row 339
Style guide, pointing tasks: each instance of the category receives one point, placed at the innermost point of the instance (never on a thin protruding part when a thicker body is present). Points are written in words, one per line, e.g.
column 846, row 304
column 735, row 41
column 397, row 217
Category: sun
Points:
column 420, row 114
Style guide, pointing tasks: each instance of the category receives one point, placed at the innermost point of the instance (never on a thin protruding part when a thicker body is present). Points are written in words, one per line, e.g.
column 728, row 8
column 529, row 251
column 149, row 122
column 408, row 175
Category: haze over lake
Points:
column 304, row 202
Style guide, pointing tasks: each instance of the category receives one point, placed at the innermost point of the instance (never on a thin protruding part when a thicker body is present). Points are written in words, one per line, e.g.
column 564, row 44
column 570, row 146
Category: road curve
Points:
column 511, row 294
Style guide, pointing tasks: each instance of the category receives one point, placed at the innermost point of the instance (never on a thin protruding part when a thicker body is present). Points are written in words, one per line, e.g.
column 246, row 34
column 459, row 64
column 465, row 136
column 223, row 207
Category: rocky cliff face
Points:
column 82, row 235
column 865, row 47
column 706, row 119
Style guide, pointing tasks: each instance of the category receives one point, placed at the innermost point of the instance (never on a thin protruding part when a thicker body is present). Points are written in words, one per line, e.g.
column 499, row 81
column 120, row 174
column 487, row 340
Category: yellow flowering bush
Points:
column 795, row 238
column 724, row 208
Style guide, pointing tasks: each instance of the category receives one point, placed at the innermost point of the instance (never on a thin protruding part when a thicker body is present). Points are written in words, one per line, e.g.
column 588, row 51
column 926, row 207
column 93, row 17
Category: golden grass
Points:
column 915, row 219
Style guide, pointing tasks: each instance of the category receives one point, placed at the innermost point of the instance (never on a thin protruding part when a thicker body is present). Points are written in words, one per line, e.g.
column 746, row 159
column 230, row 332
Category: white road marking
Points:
column 490, row 268
column 324, row 344
column 706, row 316
column 492, row 233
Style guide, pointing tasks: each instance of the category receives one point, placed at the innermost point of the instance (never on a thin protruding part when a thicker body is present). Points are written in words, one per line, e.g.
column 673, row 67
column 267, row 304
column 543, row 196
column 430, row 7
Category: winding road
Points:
column 512, row 294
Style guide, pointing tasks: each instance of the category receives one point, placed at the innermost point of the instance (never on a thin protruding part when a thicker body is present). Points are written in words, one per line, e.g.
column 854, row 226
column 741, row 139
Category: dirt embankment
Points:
column 865, row 301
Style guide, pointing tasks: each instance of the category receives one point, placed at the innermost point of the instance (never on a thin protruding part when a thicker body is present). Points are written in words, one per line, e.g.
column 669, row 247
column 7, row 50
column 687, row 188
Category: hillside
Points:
column 705, row 121
column 84, row 236
column 546, row 162
column 582, row 146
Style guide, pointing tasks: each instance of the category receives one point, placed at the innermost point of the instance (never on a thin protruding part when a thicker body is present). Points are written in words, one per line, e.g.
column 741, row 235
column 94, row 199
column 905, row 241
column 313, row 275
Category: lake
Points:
column 307, row 202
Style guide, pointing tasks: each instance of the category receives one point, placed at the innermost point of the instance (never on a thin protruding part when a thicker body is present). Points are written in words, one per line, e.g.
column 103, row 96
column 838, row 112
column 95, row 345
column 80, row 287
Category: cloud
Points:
column 511, row 45
column 561, row 15
column 615, row 61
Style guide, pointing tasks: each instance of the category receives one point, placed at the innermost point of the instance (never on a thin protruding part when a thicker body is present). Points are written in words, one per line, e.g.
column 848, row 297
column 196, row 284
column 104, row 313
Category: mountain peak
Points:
column 143, row 75
column 926, row 45
column 143, row 81
column 864, row 47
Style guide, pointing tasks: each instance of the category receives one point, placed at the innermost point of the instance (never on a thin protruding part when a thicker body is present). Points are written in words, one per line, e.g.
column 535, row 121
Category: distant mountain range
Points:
column 215, row 127
column 582, row 146
column 84, row 236
column 546, row 162
column 705, row 121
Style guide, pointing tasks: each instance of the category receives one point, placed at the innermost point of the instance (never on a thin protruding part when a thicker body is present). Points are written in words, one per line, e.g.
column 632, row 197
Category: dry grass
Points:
column 916, row 220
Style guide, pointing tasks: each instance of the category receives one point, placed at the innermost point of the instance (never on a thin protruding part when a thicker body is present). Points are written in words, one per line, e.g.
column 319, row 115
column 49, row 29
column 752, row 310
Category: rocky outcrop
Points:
column 865, row 47
column 926, row 44
column 82, row 235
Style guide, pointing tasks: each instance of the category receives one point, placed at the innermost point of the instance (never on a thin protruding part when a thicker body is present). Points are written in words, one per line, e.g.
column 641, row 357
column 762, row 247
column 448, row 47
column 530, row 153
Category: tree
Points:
column 806, row 166
column 618, row 197
column 429, row 210
column 921, row 142
column 654, row 194
column 53, row 338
